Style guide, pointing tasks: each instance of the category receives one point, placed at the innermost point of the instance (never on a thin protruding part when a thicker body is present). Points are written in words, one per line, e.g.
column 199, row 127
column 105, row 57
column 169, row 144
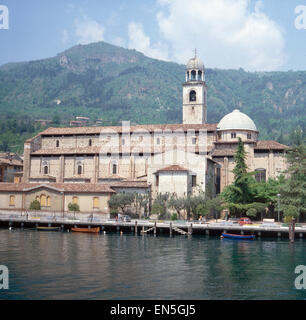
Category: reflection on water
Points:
column 55, row 265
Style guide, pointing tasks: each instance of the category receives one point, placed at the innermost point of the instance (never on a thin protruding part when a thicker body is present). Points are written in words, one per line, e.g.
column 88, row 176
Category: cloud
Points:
column 88, row 31
column 227, row 33
column 141, row 42
column 65, row 36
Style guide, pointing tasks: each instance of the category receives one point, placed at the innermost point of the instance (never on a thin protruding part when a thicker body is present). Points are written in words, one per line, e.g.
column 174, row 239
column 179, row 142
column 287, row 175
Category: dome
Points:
column 195, row 63
column 236, row 121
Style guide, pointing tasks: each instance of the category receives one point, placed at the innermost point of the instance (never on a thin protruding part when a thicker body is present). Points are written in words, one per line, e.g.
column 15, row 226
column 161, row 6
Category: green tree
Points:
column 121, row 200
column 177, row 204
column 293, row 192
column 239, row 193
column 35, row 205
column 73, row 207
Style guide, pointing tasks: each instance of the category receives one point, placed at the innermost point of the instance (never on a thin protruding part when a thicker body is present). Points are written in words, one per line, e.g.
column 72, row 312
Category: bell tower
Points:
column 195, row 93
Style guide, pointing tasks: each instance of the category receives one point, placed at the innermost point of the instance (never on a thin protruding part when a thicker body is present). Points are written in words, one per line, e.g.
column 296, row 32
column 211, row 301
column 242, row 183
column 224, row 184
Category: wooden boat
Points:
column 87, row 230
column 237, row 236
column 48, row 228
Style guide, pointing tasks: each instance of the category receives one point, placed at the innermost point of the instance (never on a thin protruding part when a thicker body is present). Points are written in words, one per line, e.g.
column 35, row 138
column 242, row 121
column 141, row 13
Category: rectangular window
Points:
column 233, row 135
column 158, row 140
column 194, row 140
column 12, row 200
column 260, row 175
column 114, row 169
column 75, row 200
column 193, row 181
column 157, row 180
column 96, row 202
column 249, row 136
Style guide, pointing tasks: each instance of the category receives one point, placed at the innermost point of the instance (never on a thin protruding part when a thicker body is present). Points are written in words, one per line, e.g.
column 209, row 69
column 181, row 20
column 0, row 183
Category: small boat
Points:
column 87, row 230
column 237, row 236
column 48, row 228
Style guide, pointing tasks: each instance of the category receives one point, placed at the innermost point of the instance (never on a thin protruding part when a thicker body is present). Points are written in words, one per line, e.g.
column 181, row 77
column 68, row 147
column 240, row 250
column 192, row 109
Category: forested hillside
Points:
column 102, row 81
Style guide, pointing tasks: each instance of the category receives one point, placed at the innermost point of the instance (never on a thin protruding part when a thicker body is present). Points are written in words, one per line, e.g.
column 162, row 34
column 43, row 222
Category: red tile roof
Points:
column 223, row 153
column 66, row 187
column 269, row 145
column 174, row 167
column 146, row 128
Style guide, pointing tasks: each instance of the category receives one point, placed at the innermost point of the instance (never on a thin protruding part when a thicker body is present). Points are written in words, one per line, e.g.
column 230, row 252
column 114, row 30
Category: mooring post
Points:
column 190, row 229
column 292, row 230
column 143, row 230
column 170, row 229
column 136, row 227
column 155, row 228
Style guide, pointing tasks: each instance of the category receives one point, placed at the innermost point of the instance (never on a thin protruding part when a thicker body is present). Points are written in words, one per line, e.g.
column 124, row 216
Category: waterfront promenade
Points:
column 211, row 228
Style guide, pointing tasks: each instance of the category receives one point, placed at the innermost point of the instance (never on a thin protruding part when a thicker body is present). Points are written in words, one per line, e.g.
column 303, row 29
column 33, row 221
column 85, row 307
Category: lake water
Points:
column 61, row 265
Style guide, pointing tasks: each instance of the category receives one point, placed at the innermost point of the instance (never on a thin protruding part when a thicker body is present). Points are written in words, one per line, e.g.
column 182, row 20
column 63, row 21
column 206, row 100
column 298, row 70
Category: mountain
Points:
column 102, row 81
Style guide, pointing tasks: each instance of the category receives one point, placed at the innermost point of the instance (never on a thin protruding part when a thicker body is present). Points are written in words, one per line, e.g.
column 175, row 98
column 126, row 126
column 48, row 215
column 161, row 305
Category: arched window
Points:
column 48, row 201
column 79, row 169
column 260, row 174
column 57, row 143
column 90, row 142
column 12, row 200
column 43, row 200
column 193, row 75
column 75, row 200
column 114, row 169
column 96, row 202
column 37, row 199
column 192, row 95
column 200, row 75
column 46, row 170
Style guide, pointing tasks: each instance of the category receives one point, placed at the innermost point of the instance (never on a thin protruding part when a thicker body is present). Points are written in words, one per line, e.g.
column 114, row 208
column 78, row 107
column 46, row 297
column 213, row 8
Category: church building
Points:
column 86, row 165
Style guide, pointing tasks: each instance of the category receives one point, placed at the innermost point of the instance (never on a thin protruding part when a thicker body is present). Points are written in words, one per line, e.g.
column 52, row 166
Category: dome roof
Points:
column 195, row 63
column 236, row 120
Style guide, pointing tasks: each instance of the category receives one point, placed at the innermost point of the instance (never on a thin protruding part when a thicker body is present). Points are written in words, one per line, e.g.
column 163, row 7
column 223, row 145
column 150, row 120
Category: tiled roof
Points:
column 174, row 167
column 67, row 187
column 129, row 184
column 11, row 162
column 223, row 153
column 270, row 145
column 71, row 151
column 137, row 128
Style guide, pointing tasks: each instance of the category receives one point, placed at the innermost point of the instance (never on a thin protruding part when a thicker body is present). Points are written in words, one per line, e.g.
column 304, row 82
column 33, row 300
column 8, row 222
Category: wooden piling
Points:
column 155, row 228
column 292, row 230
column 136, row 227
column 170, row 229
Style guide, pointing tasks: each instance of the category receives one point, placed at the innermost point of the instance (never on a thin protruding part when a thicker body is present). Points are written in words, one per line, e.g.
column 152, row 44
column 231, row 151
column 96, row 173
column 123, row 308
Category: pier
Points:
column 146, row 227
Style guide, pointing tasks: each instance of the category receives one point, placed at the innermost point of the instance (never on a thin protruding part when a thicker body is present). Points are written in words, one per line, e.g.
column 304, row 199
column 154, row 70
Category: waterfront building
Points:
column 11, row 165
column 185, row 158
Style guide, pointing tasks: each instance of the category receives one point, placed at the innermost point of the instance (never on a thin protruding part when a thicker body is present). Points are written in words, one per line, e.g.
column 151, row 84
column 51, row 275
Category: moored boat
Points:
column 48, row 228
column 237, row 236
column 87, row 230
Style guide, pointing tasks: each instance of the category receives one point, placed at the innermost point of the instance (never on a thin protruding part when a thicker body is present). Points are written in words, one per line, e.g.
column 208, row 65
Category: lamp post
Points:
column 278, row 195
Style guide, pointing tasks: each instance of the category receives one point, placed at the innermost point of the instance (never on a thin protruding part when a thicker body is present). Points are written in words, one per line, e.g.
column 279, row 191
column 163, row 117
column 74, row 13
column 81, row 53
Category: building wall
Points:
column 85, row 201
column 5, row 200
column 55, row 199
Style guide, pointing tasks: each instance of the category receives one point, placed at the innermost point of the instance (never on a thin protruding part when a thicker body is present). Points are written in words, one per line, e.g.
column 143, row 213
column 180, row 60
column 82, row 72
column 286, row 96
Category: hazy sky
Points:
column 251, row 34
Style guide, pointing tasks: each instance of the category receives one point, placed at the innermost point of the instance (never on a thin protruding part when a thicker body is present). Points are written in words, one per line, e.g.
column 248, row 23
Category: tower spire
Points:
column 195, row 52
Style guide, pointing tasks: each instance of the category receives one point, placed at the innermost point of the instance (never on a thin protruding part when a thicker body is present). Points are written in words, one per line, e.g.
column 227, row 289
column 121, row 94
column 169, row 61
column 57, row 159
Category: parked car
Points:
column 125, row 218
column 243, row 221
